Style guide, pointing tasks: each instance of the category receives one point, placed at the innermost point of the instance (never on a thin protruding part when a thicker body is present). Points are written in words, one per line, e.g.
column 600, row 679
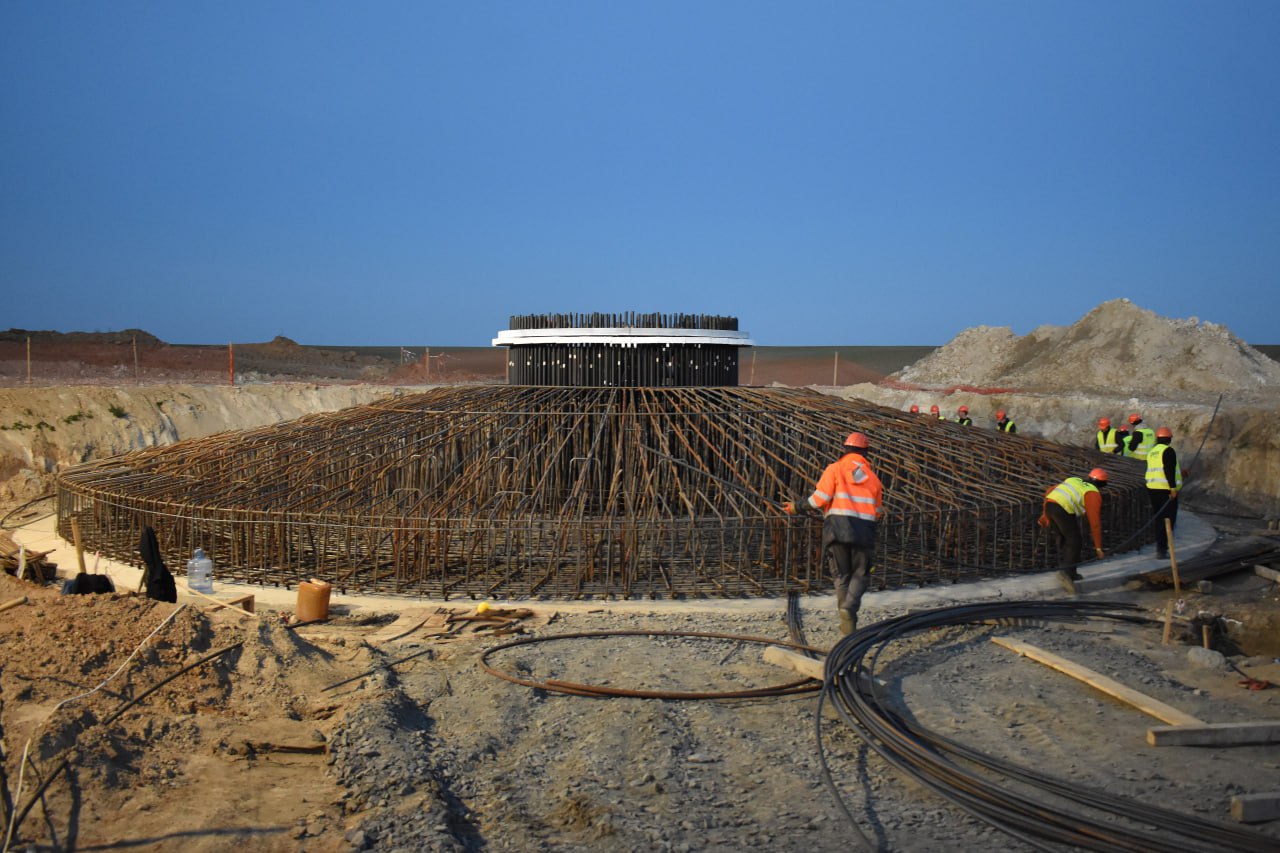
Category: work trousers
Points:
column 850, row 568
column 1162, row 507
column 1066, row 528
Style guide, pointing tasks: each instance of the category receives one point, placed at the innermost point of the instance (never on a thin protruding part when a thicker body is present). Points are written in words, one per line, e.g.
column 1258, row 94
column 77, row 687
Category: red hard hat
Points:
column 1098, row 475
column 915, row 409
column 964, row 410
column 856, row 439
column 933, row 410
column 1134, row 418
column 1164, row 432
column 1000, row 414
column 1104, row 423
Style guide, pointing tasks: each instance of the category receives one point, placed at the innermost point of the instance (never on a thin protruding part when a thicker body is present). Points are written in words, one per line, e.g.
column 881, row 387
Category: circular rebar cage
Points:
column 515, row 492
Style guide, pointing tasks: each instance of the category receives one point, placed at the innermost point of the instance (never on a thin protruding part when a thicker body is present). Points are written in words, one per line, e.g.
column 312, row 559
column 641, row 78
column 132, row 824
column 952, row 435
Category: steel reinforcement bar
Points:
column 560, row 492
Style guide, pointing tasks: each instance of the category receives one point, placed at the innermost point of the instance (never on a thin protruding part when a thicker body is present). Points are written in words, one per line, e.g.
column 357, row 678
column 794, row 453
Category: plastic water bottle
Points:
column 200, row 573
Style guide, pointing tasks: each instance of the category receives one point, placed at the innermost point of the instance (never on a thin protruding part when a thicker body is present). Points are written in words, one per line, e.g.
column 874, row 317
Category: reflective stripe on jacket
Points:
column 1156, row 476
column 1108, row 440
column 848, row 487
column 1069, row 494
column 1147, row 440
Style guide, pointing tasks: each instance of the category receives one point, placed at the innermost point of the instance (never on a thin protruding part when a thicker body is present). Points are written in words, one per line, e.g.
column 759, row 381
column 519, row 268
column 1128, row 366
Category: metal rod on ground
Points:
column 1173, row 558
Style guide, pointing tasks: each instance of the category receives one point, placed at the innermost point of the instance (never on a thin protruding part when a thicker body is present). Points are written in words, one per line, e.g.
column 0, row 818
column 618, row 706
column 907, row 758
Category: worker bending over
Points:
column 1164, row 479
column 1064, row 504
column 849, row 497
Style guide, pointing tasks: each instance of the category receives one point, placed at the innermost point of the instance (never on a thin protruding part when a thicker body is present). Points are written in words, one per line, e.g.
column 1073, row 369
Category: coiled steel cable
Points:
column 928, row 758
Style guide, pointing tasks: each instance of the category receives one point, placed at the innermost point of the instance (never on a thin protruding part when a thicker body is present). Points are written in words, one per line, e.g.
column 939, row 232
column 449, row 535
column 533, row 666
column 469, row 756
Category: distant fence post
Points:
column 835, row 368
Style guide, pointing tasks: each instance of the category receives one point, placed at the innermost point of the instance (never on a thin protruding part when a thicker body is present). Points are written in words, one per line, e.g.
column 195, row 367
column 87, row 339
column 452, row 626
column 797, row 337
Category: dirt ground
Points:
column 381, row 730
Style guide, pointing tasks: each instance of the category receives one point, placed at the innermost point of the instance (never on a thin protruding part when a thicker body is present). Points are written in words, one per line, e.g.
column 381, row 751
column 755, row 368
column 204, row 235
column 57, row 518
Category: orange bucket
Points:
column 313, row 600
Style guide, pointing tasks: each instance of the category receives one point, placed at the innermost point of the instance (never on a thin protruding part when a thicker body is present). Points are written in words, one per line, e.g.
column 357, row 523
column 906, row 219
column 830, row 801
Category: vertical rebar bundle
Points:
column 571, row 492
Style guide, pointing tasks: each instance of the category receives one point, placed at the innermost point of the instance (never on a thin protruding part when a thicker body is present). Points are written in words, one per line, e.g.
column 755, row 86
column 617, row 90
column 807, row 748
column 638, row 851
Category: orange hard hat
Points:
column 964, row 410
column 1098, row 475
column 933, row 410
column 856, row 439
column 1134, row 418
column 1000, row 414
column 915, row 409
column 1104, row 423
column 1164, row 432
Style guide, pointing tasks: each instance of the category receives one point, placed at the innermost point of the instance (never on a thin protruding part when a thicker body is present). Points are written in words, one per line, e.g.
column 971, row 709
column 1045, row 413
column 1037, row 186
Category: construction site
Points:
column 562, row 607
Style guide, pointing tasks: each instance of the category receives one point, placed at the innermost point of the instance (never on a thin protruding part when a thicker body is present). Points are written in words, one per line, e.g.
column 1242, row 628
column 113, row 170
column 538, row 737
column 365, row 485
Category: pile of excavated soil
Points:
column 1117, row 348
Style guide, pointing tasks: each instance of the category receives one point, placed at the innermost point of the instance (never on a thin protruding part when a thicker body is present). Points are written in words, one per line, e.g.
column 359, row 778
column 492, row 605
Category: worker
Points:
column 915, row 410
column 1122, row 438
column 1107, row 440
column 936, row 412
column 1141, row 439
column 1064, row 505
column 962, row 416
column 1004, row 424
column 1164, row 479
column 849, row 496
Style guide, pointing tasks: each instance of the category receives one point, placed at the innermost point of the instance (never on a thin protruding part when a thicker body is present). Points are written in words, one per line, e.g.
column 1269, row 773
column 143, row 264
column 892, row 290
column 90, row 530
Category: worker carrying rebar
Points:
column 962, row 416
column 1064, row 505
column 1164, row 479
column 1108, row 438
column 1004, row 424
column 849, row 496
column 1141, row 439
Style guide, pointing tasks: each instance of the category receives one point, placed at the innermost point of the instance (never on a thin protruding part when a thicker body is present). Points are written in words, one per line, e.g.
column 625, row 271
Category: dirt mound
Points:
column 1117, row 347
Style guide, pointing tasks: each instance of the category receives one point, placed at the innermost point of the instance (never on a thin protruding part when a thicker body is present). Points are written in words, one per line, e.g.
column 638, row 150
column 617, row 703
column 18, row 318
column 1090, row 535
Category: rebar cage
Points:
column 508, row 491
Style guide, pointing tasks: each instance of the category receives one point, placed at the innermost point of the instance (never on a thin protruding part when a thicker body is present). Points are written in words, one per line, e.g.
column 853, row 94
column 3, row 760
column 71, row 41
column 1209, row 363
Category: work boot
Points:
column 1068, row 581
column 848, row 622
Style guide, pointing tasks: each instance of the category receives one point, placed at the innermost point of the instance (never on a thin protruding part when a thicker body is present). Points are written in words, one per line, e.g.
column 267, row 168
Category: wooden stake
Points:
column 1173, row 559
column 75, row 538
column 1205, row 636
column 1168, row 623
column 753, row 367
column 835, row 368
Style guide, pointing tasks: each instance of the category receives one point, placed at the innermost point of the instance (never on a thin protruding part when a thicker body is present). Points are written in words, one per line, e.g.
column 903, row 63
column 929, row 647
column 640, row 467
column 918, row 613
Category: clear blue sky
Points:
column 829, row 172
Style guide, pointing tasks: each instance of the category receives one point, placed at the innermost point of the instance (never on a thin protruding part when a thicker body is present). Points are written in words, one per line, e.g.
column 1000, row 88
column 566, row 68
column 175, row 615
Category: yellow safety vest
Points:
column 1155, row 470
column 1108, row 440
column 1069, row 494
column 1144, row 446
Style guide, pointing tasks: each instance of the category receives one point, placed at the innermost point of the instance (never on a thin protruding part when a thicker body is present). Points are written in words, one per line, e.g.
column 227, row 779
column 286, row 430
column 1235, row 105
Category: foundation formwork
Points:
column 517, row 492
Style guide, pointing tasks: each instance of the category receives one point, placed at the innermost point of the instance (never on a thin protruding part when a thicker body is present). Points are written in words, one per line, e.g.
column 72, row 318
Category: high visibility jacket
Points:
column 1006, row 426
column 965, row 421
column 1157, row 476
column 1080, row 498
column 1146, row 440
column 1108, row 440
column 848, row 487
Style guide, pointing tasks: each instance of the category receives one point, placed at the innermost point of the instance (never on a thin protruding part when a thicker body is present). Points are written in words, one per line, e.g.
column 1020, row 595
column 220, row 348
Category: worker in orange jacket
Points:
column 849, row 495
column 1064, row 505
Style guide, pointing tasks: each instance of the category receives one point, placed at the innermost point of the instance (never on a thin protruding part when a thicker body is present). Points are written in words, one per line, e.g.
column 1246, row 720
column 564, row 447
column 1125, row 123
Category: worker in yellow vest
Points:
column 1164, row 479
column 1065, row 505
column 849, row 495
column 1003, row 424
column 1107, row 439
column 962, row 416
column 1141, row 439
column 936, row 412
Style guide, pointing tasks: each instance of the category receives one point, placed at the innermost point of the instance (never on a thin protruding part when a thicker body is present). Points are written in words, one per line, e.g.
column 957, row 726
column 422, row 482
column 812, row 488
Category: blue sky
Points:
column 829, row 172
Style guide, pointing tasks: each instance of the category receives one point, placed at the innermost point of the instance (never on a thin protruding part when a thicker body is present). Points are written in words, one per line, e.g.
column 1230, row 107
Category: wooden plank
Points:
column 796, row 662
column 1215, row 734
column 1254, row 808
column 1268, row 573
column 1097, row 680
